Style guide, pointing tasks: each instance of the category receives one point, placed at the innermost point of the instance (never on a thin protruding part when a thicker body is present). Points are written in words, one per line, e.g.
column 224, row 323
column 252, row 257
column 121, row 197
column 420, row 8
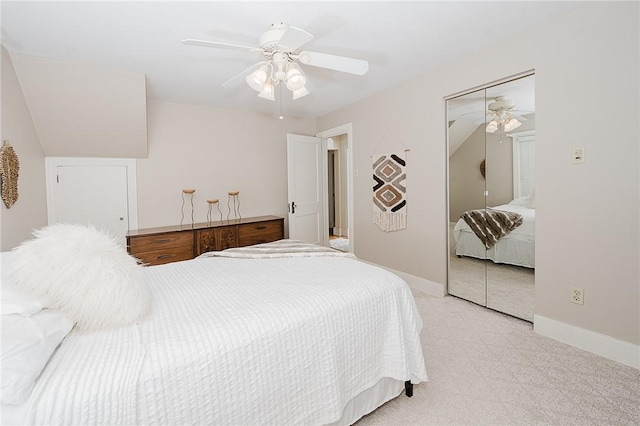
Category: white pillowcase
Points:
column 14, row 301
column 27, row 345
column 532, row 199
column 84, row 273
column 520, row 201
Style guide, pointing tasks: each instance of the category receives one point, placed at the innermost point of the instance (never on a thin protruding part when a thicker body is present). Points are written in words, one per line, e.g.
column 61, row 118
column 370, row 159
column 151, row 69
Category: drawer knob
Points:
column 261, row 227
column 164, row 240
column 164, row 256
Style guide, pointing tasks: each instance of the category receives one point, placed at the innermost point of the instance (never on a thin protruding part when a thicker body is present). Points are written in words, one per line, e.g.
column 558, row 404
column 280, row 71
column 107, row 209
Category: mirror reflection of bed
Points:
column 492, row 180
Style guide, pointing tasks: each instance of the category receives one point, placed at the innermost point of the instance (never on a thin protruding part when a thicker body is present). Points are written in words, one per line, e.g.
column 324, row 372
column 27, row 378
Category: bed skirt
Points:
column 367, row 401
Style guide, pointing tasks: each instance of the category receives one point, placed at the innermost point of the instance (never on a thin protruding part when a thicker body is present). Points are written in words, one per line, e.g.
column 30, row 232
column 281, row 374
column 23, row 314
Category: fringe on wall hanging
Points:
column 9, row 168
column 389, row 191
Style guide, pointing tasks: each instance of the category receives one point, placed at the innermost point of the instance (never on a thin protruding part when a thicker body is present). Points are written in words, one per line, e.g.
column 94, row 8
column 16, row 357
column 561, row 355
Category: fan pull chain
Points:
column 281, row 117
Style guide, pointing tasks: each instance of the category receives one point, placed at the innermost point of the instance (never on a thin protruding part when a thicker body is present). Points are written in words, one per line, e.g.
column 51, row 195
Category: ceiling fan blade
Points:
column 220, row 45
column 293, row 38
column 489, row 116
column 333, row 62
column 243, row 73
column 517, row 117
column 470, row 115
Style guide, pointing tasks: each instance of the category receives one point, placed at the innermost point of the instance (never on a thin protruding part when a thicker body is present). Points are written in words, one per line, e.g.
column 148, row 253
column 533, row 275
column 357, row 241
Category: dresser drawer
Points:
column 159, row 257
column 161, row 241
column 260, row 232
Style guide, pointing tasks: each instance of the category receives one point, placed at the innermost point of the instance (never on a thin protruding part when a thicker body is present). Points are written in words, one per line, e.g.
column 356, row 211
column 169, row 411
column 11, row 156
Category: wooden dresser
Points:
column 155, row 246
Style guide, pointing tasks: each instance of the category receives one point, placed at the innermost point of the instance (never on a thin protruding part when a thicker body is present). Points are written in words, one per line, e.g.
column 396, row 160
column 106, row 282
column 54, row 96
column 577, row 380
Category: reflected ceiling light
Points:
column 492, row 126
column 511, row 124
column 508, row 124
column 500, row 115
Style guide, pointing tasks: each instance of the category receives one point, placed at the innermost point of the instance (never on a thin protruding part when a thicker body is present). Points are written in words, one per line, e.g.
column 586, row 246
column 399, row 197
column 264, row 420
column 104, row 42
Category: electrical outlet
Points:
column 577, row 295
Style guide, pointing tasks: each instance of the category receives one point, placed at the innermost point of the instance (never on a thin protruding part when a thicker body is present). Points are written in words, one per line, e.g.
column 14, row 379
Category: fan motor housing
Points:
column 501, row 104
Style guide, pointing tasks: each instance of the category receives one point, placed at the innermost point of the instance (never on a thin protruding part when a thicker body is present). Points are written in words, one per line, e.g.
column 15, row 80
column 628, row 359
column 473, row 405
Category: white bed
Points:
column 515, row 248
column 303, row 340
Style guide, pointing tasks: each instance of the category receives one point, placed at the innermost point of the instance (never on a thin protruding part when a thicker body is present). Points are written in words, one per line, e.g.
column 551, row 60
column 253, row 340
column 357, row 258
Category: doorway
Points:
column 336, row 193
column 339, row 187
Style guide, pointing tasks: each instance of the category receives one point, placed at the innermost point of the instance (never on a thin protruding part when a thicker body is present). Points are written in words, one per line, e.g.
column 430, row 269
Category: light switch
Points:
column 577, row 155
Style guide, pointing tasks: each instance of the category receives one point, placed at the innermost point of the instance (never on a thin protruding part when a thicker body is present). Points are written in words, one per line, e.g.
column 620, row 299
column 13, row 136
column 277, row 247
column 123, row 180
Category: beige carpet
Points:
column 486, row 368
column 510, row 289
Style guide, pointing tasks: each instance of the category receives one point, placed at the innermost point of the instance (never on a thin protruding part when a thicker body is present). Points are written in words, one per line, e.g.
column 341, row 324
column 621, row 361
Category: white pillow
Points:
column 14, row 301
column 27, row 345
column 84, row 273
column 520, row 201
column 532, row 199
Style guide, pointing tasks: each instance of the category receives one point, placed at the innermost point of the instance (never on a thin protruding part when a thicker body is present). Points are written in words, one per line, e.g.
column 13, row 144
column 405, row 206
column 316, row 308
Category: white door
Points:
column 96, row 195
column 306, row 169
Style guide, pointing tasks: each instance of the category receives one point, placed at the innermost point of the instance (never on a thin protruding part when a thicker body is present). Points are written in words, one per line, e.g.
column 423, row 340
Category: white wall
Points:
column 85, row 110
column 214, row 151
column 30, row 211
column 587, row 87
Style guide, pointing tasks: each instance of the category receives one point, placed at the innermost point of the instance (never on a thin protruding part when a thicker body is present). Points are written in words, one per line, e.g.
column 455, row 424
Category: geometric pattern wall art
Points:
column 390, row 191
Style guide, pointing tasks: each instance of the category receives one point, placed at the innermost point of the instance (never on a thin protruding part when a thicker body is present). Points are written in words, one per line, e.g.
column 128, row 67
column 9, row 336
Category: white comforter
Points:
column 240, row 341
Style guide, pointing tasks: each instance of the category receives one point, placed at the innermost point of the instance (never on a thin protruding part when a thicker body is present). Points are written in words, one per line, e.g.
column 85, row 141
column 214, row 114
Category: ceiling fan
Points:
column 281, row 48
column 500, row 113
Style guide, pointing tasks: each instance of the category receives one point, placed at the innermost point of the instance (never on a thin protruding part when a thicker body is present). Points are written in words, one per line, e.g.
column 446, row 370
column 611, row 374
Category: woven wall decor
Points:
column 389, row 191
column 9, row 167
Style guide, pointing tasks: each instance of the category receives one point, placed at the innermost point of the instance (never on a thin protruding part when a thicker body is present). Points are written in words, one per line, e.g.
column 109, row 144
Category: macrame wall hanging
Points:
column 389, row 191
column 9, row 167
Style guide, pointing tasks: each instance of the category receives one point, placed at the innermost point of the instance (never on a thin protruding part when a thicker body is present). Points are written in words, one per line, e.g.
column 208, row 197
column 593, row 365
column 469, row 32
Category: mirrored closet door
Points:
column 491, row 146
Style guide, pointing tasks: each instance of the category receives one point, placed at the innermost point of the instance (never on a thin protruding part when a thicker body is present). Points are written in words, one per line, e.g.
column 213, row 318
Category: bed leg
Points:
column 408, row 388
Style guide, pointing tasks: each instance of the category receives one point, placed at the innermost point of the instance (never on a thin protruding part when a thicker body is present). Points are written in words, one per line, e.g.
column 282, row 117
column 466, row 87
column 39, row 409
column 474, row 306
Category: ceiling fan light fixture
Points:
column 492, row 126
column 298, row 93
column 511, row 124
column 295, row 79
column 281, row 46
column 257, row 79
column 268, row 91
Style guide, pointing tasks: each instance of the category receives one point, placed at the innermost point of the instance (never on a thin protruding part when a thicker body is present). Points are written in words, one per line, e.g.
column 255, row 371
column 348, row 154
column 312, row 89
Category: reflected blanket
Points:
column 490, row 225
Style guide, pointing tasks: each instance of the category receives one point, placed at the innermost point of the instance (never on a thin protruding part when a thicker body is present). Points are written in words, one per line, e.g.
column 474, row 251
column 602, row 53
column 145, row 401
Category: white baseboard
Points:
column 600, row 344
column 426, row 286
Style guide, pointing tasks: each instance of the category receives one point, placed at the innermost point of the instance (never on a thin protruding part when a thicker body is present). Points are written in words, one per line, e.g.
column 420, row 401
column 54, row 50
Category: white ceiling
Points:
column 399, row 39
